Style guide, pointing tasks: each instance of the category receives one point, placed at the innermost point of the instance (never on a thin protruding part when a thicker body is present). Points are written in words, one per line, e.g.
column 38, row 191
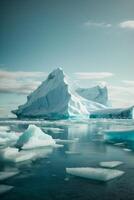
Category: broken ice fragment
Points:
column 99, row 174
column 110, row 164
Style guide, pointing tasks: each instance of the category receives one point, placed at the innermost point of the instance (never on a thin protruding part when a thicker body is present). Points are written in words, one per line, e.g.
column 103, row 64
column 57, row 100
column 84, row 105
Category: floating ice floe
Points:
column 60, row 141
column 119, row 135
column 110, row 164
column 11, row 154
column 5, row 175
column 34, row 137
column 125, row 149
column 72, row 152
column 5, row 188
column 99, row 174
column 4, row 128
column 53, row 129
column 8, row 137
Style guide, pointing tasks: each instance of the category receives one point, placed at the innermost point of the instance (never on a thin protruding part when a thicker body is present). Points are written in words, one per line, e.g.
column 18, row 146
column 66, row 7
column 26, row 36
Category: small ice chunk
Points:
column 5, row 175
column 125, row 149
column 34, row 137
column 4, row 128
column 120, row 144
column 110, row 164
column 5, row 188
column 53, row 129
column 11, row 154
column 72, row 152
column 99, row 174
column 60, row 141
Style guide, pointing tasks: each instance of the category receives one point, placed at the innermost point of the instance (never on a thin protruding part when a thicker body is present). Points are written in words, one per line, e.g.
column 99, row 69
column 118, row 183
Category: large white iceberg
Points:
column 34, row 137
column 56, row 99
column 97, row 94
column 99, row 174
column 114, row 113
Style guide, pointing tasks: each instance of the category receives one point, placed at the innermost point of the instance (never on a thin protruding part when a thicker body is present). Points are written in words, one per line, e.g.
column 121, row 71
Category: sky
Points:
column 92, row 40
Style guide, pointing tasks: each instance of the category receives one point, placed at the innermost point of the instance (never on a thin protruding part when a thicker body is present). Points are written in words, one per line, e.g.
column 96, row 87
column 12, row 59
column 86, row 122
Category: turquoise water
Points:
column 45, row 178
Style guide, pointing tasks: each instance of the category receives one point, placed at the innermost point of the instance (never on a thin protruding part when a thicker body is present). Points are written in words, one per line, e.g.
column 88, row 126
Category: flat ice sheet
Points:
column 99, row 174
column 110, row 164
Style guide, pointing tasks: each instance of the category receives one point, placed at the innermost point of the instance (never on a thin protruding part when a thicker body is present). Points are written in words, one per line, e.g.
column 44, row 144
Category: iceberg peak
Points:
column 55, row 98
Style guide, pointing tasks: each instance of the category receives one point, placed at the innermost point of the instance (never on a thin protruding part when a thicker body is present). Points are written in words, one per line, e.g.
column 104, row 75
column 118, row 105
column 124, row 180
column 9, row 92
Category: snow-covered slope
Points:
column 55, row 99
column 97, row 94
column 114, row 113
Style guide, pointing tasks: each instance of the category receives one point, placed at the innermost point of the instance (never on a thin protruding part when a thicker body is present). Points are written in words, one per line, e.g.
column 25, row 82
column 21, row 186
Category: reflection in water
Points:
column 44, row 176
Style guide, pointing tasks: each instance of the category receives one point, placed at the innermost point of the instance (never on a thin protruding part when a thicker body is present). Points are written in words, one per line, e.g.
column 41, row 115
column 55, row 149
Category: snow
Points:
column 5, row 188
column 97, row 94
column 34, row 137
column 110, row 164
column 119, row 135
column 99, row 174
column 114, row 113
column 56, row 99
column 5, row 175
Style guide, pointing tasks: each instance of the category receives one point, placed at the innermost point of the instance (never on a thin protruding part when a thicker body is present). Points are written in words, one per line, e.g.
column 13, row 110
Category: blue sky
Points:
column 92, row 40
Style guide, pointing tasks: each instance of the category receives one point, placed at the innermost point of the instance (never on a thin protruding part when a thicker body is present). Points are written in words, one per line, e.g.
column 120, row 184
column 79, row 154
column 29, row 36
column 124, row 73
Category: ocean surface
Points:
column 83, row 145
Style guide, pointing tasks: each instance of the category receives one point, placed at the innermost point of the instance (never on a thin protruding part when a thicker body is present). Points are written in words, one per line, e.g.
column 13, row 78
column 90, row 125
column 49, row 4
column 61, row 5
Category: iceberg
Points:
column 110, row 164
column 5, row 188
column 99, row 174
column 114, row 113
column 56, row 99
column 97, row 94
column 119, row 135
column 34, row 137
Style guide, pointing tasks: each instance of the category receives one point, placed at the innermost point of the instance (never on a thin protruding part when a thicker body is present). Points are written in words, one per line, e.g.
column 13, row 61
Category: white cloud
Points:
column 129, row 83
column 127, row 24
column 97, row 24
column 121, row 96
column 93, row 75
column 20, row 82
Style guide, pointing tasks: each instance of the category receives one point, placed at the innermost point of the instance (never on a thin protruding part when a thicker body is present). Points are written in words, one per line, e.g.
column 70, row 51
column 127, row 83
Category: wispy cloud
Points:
column 93, row 75
column 127, row 24
column 94, row 24
column 121, row 96
column 19, row 82
column 129, row 83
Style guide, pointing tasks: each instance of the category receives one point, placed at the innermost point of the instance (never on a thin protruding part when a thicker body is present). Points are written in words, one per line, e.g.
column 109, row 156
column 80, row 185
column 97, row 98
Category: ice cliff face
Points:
column 114, row 113
column 55, row 99
column 97, row 94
